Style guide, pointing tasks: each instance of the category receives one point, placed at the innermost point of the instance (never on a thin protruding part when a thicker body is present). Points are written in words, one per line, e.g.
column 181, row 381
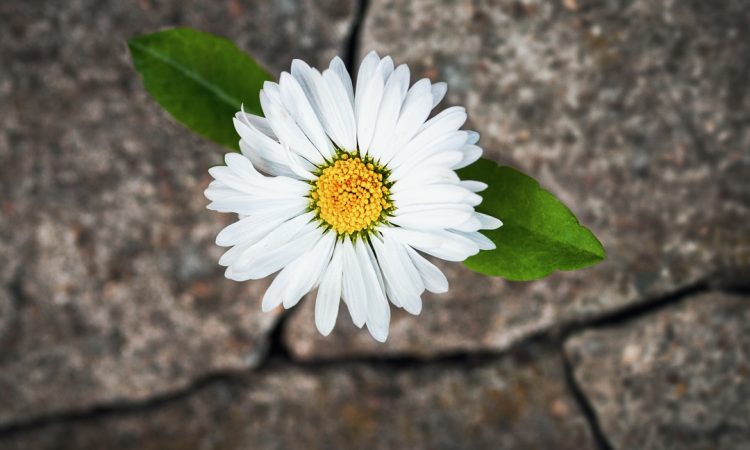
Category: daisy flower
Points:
column 345, row 189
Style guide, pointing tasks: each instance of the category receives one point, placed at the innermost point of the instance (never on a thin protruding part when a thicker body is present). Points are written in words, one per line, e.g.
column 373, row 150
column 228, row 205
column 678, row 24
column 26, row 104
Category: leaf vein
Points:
column 223, row 96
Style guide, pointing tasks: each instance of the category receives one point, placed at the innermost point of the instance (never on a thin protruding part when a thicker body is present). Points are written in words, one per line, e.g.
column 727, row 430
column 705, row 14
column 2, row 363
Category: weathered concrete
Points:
column 518, row 401
column 109, row 286
column 634, row 113
column 676, row 379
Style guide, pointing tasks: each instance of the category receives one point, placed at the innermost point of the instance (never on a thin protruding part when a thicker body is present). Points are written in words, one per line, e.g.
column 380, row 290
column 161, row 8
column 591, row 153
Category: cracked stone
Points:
column 633, row 113
column 679, row 378
column 516, row 401
column 110, row 289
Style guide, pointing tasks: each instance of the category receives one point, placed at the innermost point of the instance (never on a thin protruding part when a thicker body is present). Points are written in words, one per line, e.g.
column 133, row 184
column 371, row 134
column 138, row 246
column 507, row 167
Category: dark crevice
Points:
column 277, row 349
column 584, row 405
column 638, row 310
column 465, row 359
column 15, row 327
column 352, row 42
column 277, row 360
column 118, row 408
column 279, row 356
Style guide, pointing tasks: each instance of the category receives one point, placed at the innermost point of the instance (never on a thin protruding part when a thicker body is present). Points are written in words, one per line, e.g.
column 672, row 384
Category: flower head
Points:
column 344, row 189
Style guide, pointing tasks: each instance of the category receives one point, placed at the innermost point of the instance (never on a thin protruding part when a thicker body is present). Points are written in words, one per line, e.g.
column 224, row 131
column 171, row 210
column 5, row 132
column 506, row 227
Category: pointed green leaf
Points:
column 539, row 234
column 201, row 79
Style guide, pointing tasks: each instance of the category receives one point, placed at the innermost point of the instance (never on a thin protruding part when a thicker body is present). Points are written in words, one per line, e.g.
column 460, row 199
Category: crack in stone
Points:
column 587, row 410
column 279, row 356
column 277, row 349
column 14, row 328
column 352, row 41
column 118, row 408
column 275, row 361
column 638, row 310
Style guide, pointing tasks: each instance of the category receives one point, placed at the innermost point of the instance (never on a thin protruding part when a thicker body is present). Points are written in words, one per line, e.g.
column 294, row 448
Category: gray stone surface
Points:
column 634, row 113
column 109, row 286
column 676, row 379
column 518, row 401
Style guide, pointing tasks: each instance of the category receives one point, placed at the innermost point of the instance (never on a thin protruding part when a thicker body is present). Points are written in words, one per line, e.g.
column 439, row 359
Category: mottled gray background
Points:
column 118, row 331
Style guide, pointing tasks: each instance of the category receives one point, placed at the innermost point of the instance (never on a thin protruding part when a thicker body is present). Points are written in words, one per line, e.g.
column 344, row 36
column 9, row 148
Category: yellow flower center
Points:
column 350, row 195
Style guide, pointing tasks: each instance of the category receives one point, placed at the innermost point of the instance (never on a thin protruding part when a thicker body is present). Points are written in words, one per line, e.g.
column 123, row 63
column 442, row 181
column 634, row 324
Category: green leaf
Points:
column 539, row 234
column 201, row 79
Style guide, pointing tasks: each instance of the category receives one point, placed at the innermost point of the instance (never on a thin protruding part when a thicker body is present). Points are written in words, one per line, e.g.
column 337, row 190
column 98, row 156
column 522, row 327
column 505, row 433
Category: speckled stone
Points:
column 676, row 379
column 517, row 401
column 110, row 289
column 634, row 113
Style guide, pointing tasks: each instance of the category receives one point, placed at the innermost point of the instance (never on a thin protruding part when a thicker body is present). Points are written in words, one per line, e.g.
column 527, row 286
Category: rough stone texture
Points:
column 676, row 379
column 109, row 287
column 634, row 113
column 519, row 401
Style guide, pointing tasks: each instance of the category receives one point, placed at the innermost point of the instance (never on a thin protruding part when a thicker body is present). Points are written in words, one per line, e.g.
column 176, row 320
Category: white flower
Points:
column 341, row 189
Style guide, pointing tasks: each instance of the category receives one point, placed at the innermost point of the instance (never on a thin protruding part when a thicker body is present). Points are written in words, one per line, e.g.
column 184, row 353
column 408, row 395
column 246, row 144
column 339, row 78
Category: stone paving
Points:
column 117, row 329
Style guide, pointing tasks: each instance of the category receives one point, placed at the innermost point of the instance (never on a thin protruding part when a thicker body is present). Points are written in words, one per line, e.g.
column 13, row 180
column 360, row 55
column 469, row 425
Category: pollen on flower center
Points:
column 350, row 195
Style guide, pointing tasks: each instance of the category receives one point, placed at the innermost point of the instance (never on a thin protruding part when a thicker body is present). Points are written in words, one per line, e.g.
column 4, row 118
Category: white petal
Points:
column 288, row 131
column 443, row 159
column 217, row 190
column 412, row 156
column 273, row 295
column 438, row 92
column 473, row 224
column 417, row 239
column 352, row 286
column 450, row 247
column 432, row 131
column 453, row 247
column 299, row 276
column 278, row 248
column 434, row 279
column 379, row 332
column 402, row 278
column 241, row 166
column 247, row 204
column 344, row 126
column 270, row 163
column 329, row 294
column 233, row 254
column 308, row 269
column 473, row 137
column 230, row 179
column 421, row 87
column 449, row 119
column 482, row 241
column 338, row 67
column 366, row 110
column 297, row 164
column 366, row 71
column 259, row 123
column 299, row 107
column 254, row 265
column 425, row 177
column 432, row 217
column 435, row 194
column 414, row 113
column 378, row 312
column 329, row 108
column 471, row 154
column 386, row 67
column 488, row 222
column 248, row 230
column 473, row 186
column 393, row 97
column 260, row 148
